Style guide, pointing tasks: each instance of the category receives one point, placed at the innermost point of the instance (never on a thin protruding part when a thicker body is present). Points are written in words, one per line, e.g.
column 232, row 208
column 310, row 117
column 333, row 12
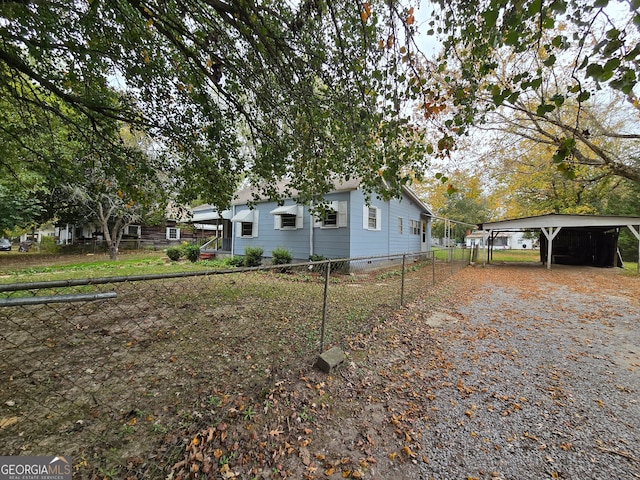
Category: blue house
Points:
column 349, row 227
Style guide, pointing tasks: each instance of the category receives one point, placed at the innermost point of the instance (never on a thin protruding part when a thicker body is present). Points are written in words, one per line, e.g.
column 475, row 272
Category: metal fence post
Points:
column 451, row 259
column 324, row 305
column 433, row 268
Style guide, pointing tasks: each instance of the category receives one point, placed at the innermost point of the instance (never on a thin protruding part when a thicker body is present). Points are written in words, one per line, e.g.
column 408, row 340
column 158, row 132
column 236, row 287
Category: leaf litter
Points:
column 529, row 379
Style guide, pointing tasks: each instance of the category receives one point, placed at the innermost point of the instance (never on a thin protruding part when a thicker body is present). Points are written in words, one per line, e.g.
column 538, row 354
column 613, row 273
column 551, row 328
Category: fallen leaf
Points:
column 407, row 451
column 7, row 422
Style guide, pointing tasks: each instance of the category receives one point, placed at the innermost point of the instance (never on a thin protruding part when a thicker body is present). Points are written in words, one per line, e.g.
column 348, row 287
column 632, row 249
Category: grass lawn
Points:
column 33, row 267
column 525, row 255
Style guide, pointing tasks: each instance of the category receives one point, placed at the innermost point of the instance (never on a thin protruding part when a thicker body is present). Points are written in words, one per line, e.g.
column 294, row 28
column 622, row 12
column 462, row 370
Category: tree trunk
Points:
column 113, row 251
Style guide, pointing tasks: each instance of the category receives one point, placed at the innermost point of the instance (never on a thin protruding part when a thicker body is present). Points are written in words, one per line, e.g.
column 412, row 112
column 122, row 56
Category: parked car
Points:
column 5, row 245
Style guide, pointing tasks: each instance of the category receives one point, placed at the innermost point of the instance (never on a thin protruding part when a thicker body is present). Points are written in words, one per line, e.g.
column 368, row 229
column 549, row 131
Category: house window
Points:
column 288, row 221
column 334, row 217
column 246, row 223
column 247, row 229
column 288, row 217
column 414, row 227
column 173, row 233
column 330, row 220
column 371, row 218
column 400, row 226
column 132, row 230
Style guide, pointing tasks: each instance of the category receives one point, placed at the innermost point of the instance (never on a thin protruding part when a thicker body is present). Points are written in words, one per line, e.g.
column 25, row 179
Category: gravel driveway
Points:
column 499, row 372
column 536, row 375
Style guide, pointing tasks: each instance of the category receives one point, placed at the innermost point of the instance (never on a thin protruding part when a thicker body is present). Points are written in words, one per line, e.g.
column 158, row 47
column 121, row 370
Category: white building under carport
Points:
column 503, row 240
column 570, row 239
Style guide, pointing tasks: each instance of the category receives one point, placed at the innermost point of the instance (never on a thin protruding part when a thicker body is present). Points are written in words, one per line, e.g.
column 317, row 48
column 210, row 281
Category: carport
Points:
column 585, row 239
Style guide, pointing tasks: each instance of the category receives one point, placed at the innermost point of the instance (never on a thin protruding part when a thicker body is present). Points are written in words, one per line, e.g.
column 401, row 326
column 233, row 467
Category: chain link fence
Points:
column 104, row 368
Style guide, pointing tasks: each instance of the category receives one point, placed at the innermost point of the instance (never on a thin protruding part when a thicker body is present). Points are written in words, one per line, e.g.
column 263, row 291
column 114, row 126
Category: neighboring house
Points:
column 350, row 228
column 36, row 235
column 502, row 240
column 136, row 236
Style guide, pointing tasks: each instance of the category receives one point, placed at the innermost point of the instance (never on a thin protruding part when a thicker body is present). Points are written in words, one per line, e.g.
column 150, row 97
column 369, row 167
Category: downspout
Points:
column 311, row 222
column 233, row 233
column 388, row 227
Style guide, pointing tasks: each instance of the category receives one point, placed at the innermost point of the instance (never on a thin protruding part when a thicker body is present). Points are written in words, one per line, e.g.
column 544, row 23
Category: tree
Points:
column 302, row 91
column 595, row 43
column 17, row 210
column 526, row 182
column 600, row 133
column 114, row 200
column 467, row 204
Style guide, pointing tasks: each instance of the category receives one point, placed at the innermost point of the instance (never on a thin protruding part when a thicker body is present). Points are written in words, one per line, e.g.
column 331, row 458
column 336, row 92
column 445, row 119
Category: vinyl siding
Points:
column 334, row 242
column 354, row 240
column 269, row 238
column 365, row 243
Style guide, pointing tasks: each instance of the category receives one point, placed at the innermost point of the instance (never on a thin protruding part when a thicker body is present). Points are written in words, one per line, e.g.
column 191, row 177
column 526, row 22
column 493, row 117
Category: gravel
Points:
column 541, row 378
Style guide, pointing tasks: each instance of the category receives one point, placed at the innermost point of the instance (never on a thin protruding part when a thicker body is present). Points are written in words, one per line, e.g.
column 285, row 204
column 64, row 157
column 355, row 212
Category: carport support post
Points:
column 485, row 238
column 637, row 234
column 550, row 234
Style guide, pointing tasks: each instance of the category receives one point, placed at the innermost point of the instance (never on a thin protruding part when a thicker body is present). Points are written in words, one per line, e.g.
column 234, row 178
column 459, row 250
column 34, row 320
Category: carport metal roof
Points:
column 552, row 223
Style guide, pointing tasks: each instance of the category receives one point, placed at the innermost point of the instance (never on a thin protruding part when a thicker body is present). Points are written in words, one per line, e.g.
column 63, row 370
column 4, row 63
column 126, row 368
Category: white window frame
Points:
column 299, row 220
column 135, row 233
column 169, row 233
column 254, row 226
column 371, row 218
column 400, row 226
column 337, row 218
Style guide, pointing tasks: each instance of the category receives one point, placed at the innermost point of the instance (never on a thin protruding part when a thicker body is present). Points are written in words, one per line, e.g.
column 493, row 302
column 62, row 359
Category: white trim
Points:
column 297, row 210
column 366, row 210
column 243, row 216
column 168, row 233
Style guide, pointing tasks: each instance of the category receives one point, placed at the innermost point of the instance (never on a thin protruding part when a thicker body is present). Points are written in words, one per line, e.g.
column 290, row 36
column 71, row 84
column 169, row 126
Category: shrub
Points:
column 48, row 245
column 192, row 252
column 253, row 256
column 235, row 262
column 281, row 256
column 316, row 258
column 174, row 253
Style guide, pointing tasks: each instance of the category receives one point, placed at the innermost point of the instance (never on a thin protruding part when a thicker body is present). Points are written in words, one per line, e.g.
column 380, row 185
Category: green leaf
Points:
column 534, row 7
column 612, row 46
column 595, row 71
column 549, row 62
column 544, row 108
column 613, row 34
column 558, row 41
column 490, row 18
column 584, row 96
column 558, row 99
